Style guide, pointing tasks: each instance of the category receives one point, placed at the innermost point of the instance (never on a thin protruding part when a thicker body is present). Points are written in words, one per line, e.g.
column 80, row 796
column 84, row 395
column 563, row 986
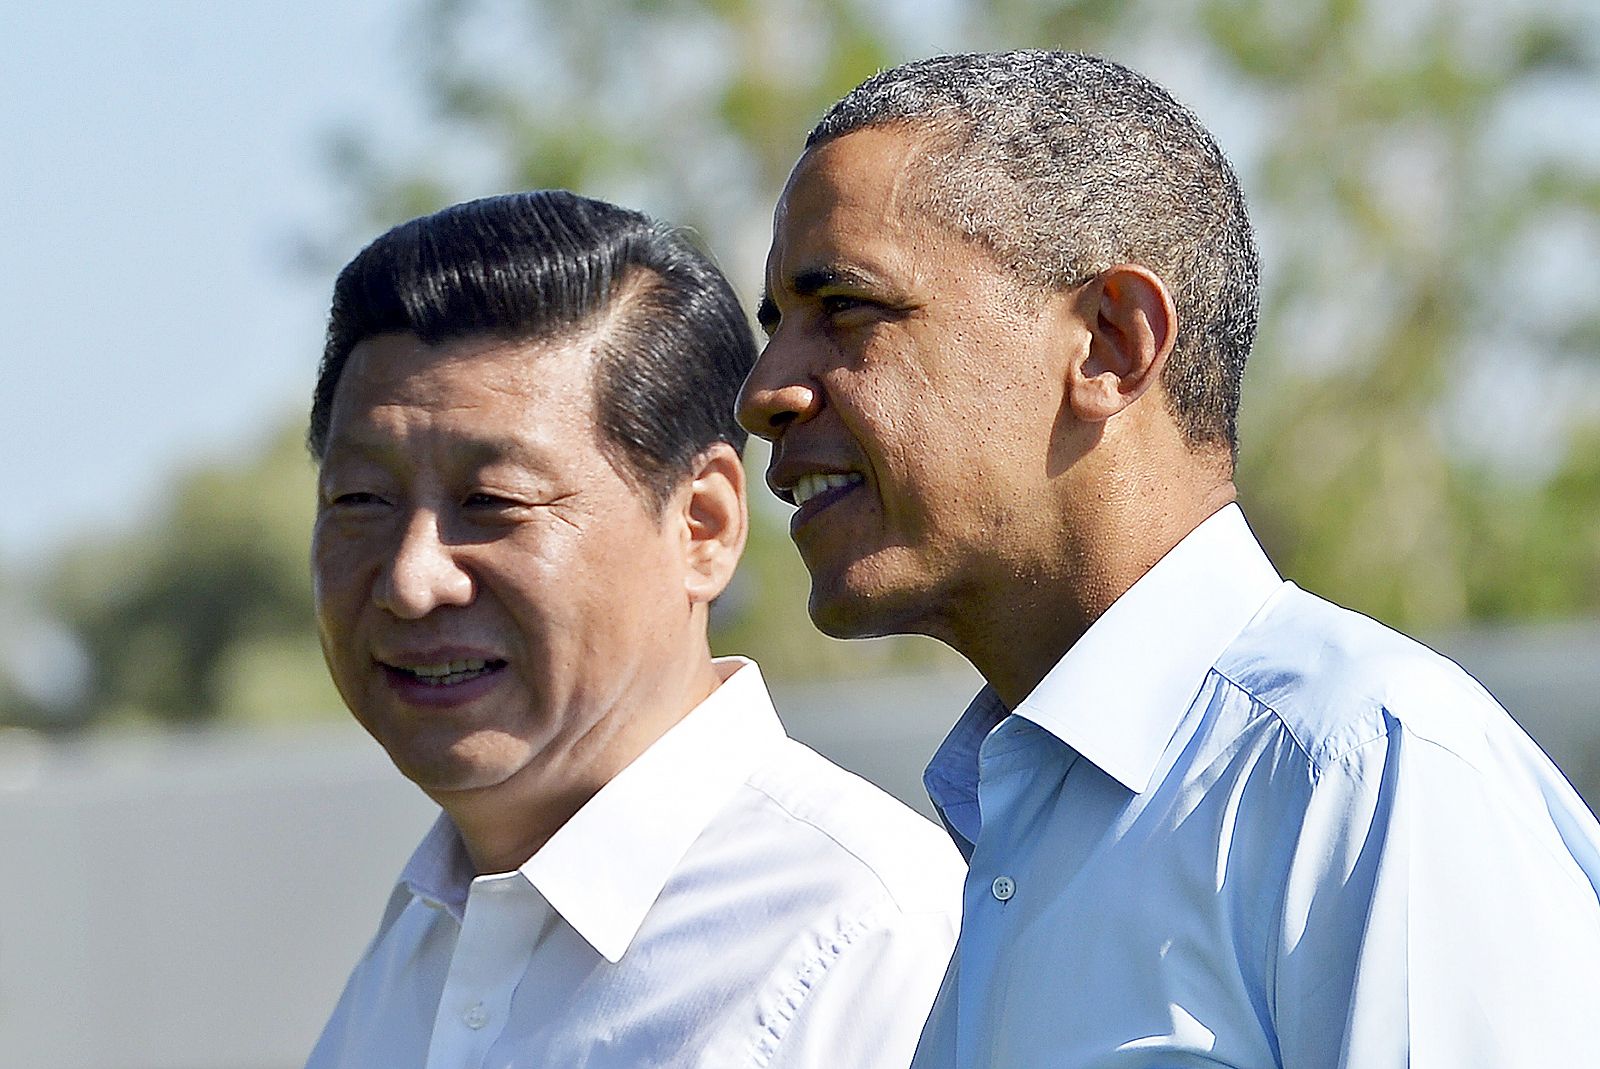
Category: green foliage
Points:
column 1401, row 205
column 693, row 109
column 180, row 617
column 1421, row 249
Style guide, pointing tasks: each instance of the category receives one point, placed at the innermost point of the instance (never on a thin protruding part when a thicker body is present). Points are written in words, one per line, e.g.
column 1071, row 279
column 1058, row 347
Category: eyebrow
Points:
column 814, row 279
column 477, row 452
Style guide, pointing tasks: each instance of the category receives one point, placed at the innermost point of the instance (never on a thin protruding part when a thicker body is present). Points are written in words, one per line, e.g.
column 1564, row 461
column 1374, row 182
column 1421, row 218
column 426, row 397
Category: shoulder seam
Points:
column 831, row 837
column 1318, row 765
column 1288, row 728
column 792, row 995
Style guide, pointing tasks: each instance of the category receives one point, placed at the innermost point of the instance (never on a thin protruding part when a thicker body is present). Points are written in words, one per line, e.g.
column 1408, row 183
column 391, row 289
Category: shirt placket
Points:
column 1010, row 762
column 498, row 931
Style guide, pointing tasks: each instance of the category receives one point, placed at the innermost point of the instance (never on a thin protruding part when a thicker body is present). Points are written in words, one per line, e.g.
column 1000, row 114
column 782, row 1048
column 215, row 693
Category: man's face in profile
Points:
column 908, row 392
column 482, row 570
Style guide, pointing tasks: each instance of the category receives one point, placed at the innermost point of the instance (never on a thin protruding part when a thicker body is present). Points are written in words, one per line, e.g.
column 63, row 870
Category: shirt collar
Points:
column 1118, row 695
column 605, row 867
column 951, row 778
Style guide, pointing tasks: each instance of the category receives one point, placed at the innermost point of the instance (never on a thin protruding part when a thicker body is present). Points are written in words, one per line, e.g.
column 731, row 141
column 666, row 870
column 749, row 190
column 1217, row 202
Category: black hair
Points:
column 673, row 350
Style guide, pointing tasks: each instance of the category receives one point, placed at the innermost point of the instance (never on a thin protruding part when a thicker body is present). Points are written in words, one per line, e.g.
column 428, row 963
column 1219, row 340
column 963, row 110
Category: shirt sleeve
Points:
column 1433, row 919
column 862, row 1003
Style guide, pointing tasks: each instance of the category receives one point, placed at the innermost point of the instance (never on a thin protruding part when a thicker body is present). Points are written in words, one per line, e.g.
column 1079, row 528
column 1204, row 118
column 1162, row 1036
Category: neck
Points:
column 504, row 825
column 1015, row 634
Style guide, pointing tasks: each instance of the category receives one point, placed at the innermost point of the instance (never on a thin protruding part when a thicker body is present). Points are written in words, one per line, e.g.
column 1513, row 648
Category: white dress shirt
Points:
column 1239, row 826
column 729, row 899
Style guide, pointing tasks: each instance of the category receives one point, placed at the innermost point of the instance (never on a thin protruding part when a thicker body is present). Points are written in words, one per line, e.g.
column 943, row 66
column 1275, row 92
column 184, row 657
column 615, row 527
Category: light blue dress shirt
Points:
column 1237, row 825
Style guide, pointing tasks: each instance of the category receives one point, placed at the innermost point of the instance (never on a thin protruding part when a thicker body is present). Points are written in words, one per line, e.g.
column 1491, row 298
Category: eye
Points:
column 355, row 499
column 483, row 499
column 839, row 303
column 767, row 316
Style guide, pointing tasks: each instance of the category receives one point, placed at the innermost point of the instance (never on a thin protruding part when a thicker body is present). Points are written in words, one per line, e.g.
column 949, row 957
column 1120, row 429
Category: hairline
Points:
column 589, row 339
column 942, row 132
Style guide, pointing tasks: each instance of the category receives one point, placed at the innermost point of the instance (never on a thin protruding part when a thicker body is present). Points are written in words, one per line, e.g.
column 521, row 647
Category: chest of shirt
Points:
column 1140, row 925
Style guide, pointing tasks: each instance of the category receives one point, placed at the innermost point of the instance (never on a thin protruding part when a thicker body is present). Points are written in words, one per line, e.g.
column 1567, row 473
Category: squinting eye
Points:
column 839, row 304
column 357, row 497
column 487, row 501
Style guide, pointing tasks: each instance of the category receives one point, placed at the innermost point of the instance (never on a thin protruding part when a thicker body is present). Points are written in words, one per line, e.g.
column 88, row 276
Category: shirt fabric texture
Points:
column 1237, row 825
column 729, row 899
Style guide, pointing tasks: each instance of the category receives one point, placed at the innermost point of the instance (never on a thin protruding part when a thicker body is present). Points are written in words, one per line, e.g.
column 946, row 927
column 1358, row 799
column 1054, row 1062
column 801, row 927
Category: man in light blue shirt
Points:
column 1211, row 819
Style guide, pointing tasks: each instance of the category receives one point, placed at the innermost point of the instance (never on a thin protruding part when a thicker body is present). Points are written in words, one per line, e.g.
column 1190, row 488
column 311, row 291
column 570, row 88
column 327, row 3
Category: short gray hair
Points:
column 1064, row 165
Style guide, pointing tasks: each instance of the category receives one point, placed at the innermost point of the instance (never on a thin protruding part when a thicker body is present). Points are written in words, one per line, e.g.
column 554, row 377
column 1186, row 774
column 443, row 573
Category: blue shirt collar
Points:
column 1117, row 696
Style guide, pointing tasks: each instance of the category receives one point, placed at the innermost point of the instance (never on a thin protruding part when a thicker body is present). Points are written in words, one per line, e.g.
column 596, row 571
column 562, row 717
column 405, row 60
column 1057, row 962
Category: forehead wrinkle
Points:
column 472, row 450
column 503, row 367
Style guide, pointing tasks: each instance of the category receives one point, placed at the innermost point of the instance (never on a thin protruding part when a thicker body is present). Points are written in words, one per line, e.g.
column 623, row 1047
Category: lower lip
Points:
column 827, row 499
column 413, row 691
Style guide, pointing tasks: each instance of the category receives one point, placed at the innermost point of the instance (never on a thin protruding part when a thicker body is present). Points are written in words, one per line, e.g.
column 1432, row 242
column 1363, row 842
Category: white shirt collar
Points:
column 1117, row 695
column 605, row 867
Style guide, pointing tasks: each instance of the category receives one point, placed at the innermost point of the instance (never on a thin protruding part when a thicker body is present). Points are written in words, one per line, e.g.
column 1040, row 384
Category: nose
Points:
column 774, row 397
column 425, row 572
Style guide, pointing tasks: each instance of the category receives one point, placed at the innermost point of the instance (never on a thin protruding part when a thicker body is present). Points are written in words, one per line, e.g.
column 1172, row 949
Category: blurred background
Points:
column 195, row 843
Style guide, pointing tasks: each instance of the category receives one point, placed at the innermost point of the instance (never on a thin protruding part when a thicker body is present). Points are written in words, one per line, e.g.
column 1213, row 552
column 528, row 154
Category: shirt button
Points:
column 1003, row 887
column 476, row 1016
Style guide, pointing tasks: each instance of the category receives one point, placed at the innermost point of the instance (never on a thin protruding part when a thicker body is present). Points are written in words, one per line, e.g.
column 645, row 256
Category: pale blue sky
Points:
column 156, row 161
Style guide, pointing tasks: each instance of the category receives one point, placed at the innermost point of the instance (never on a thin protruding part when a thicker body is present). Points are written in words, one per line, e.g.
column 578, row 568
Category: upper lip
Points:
column 423, row 657
column 782, row 475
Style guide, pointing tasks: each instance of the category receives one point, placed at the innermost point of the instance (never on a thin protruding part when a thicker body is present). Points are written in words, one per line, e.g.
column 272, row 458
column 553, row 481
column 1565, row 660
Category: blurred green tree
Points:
column 1423, row 222
column 1423, row 239
column 205, row 611
column 1421, row 433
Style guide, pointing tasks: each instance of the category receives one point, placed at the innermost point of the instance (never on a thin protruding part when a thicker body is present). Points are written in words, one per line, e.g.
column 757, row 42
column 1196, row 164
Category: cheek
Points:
column 333, row 571
column 342, row 575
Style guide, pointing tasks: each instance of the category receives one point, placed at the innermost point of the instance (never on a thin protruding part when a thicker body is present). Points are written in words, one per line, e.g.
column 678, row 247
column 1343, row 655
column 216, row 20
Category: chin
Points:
column 466, row 766
column 846, row 613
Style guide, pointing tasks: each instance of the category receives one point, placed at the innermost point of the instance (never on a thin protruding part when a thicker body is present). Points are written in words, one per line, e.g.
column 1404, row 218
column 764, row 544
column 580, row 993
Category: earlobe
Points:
column 714, row 522
column 1132, row 326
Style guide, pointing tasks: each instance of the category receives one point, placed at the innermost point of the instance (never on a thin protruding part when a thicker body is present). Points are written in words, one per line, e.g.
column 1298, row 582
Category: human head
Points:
column 1063, row 164
column 982, row 268
column 528, row 491
column 544, row 264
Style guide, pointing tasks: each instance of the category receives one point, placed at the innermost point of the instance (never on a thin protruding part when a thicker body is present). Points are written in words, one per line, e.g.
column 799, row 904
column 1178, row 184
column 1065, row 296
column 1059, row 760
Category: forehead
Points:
column 857, row 198
column 483, row 388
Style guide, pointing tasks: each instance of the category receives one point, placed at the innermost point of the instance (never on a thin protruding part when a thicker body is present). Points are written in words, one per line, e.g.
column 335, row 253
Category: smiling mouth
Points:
column 446, row 673
column 817, row 484
column 817, row 491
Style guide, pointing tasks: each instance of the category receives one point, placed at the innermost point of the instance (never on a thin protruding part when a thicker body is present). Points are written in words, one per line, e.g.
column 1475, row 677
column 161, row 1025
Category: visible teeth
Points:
column 809, row 486
column 449, row 672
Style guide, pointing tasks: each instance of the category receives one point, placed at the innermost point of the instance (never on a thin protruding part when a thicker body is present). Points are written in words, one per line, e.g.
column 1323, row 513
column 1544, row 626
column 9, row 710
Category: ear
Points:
column 712, row 510
column 1132, row 326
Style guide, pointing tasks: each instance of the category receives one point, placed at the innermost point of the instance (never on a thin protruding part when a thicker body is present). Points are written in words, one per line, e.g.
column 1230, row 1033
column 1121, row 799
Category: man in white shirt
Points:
column 529, row 493
column 1210, row 819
